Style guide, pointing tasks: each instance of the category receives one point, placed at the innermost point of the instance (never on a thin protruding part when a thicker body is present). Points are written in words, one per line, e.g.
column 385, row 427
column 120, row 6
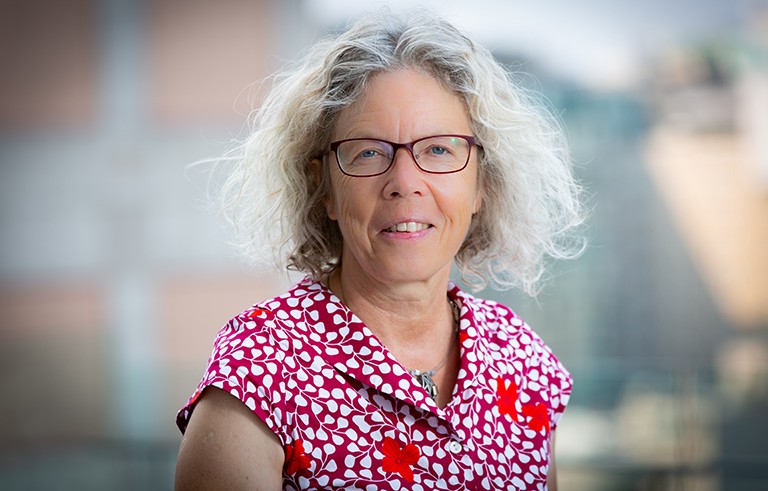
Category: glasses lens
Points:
column 442, row 154
column 364, row 157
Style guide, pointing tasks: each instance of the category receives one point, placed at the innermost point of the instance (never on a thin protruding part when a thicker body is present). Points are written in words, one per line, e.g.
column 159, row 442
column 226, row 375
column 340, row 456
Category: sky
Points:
column 602, row 43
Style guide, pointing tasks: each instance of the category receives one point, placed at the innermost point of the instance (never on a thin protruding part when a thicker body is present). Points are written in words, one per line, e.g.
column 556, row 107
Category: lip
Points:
column 407, row 235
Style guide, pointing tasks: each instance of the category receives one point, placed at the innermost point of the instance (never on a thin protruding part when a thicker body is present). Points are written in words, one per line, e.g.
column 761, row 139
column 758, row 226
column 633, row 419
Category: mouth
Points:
column 408, row 227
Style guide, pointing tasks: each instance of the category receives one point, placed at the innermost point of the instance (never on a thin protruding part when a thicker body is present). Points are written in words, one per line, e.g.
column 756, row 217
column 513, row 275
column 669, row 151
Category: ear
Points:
column 316, row 168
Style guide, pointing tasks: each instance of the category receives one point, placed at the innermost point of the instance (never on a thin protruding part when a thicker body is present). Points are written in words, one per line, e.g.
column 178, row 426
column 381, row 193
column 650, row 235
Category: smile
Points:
column 408, row 227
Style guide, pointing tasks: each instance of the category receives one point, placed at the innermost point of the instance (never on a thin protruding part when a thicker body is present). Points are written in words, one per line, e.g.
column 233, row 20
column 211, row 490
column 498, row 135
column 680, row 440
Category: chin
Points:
column 407, row 271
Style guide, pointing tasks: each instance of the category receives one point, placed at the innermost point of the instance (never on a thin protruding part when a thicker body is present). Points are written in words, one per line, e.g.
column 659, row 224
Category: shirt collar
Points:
column 345, row 342
column 476, row 362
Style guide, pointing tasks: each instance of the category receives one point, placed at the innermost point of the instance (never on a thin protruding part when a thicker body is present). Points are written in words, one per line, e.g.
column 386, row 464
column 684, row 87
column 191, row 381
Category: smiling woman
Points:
column 430, row 212
column 389, row 154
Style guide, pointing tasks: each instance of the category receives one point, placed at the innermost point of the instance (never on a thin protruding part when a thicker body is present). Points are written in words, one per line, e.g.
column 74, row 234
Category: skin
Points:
column 226, row 446
column 395, row 282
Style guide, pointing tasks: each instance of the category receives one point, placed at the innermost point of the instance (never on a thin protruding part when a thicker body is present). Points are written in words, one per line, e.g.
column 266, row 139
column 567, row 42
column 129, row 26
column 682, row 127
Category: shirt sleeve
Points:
column 245, row 361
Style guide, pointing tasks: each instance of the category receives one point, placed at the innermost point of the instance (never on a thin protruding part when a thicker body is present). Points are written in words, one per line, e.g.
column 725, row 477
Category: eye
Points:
column 366, row 154
column 438, row 150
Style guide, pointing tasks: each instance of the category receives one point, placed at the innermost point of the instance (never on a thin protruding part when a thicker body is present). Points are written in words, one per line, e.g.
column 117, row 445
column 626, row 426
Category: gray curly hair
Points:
column 531, row 202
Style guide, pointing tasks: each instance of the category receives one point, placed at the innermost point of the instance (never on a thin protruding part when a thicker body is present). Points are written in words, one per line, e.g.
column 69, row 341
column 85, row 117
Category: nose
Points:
column 404, row 178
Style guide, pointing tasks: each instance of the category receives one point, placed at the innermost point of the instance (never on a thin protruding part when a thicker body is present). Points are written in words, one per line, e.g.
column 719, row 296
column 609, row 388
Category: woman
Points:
column 391, row 153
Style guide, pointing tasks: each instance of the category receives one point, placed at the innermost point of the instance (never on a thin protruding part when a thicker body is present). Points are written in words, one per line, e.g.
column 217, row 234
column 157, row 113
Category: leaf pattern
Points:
column 349, row 416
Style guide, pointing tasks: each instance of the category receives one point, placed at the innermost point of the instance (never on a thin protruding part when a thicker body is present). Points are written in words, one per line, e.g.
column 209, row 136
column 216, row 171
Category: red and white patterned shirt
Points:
column 349, row 415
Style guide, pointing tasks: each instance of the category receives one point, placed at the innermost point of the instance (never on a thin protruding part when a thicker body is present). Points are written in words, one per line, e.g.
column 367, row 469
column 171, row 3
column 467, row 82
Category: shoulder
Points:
column 493, row 321
column 517, row 352
column 257, row 350
column 507, row 336
column 275, row 320
column 273, row 332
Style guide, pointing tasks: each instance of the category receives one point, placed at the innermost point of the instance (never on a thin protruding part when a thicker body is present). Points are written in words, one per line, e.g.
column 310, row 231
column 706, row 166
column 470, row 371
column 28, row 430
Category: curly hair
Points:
column 531, row 202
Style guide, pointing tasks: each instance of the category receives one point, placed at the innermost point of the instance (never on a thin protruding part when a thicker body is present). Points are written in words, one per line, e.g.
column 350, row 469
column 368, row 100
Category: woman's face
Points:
column 402, row 106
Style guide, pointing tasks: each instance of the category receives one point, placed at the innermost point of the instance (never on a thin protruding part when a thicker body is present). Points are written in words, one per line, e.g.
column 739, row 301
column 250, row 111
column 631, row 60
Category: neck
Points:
column 417, row 325
column 398, row 313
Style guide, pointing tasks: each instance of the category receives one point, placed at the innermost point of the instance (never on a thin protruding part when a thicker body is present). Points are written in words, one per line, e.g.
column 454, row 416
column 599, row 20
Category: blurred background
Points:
column 114, row 278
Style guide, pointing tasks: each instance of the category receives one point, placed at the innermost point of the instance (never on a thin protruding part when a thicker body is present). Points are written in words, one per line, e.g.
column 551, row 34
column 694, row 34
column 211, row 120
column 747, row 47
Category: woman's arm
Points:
column 552, row 473
column 226, row 446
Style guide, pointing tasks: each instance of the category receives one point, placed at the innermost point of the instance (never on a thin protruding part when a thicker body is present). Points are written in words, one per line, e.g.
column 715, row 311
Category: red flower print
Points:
column 539, row 416
column 507, row 397
column 259, row 313
column 295, row 458
column 398, row 459
column 463, row 336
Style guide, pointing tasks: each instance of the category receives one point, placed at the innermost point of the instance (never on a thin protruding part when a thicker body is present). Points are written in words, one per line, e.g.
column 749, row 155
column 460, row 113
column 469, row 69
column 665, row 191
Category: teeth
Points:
column 409, row 227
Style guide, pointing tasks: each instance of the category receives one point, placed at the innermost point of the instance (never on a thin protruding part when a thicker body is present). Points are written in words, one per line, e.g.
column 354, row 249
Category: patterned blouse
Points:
column 349, row 416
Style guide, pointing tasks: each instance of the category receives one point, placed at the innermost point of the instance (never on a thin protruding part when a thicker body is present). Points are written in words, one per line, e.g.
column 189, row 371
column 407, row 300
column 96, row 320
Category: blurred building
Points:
column 708, row 156
column 112, row 278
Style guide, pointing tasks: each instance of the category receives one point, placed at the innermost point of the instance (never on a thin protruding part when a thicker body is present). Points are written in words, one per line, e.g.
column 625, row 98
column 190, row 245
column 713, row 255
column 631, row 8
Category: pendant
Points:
column 425, row 380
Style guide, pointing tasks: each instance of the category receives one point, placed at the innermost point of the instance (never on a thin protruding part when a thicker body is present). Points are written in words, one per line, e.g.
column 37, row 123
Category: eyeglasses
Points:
column 368, row 157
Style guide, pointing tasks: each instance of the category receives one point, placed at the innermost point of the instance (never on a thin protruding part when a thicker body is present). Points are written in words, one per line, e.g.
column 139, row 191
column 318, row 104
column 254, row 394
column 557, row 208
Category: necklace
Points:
column 425, row 378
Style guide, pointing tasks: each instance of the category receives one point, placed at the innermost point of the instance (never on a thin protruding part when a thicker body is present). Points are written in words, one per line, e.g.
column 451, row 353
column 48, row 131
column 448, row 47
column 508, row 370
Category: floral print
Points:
column 295, row 458
column 507, row 393
column 349, row 416
column 398, row 459
column 539, row 416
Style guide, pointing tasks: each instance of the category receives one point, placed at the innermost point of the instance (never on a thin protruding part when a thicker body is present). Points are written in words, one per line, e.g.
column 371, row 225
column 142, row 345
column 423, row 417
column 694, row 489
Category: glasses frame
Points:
column 471, row 141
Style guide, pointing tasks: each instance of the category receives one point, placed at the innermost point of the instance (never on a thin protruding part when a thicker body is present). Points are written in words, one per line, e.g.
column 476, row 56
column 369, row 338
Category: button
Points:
column 454, row 447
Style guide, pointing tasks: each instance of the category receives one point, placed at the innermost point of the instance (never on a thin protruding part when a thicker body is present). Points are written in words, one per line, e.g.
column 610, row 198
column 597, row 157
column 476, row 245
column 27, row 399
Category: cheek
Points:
column 477, row 192
column 471, row 196
column 340, row 198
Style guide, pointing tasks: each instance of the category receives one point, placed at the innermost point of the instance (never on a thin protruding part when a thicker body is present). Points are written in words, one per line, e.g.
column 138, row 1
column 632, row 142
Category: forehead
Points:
column 403, row 103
